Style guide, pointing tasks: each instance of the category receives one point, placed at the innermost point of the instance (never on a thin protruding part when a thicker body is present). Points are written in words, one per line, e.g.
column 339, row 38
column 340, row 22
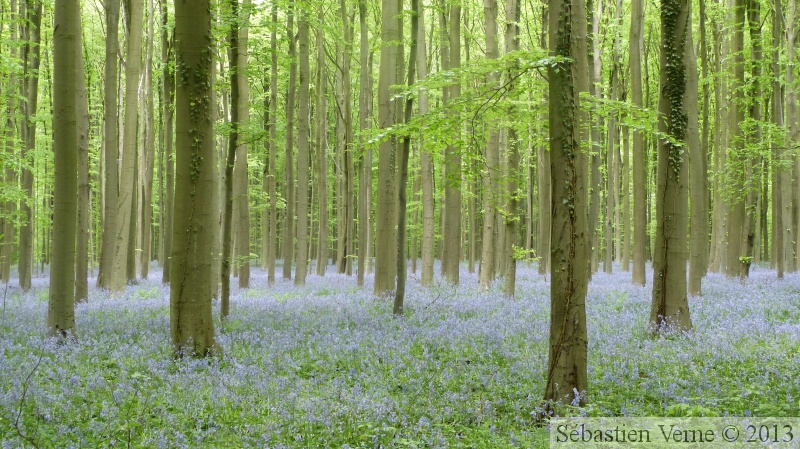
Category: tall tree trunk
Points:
column 626, row 200
column 752, row 162
column 718, row 259
column 9, row 176
column 230, row 159
column 426, row 164
column 196, row 208
column 127, row 176
column 240, row 170
column 491, row 172
column 697, row 176
column 148, row 148
column 784, row 238
column 670, row 305
column 452, row 166
column 566, row 368
column 346, row 227
column 33, row 51
column 84, row 212
column 514, row 172
column 386, row 213
column 736, row 157
column 704, row 135
column 111, row 218
column 66, row 51
column 364, row 200
column 272, row 242
column 302, row 153
column 289, row 229
column 169, row 102
column 614, row 133
column 322, row 153
column 793, row 121
column 405, row 149
column 595, row 89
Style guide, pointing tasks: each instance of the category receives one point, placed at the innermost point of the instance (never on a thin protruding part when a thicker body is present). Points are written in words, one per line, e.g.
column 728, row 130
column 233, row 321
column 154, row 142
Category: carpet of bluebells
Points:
column 326, row 365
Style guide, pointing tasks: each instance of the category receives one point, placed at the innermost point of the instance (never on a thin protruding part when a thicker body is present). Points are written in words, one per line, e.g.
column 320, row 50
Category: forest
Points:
column 386, row 223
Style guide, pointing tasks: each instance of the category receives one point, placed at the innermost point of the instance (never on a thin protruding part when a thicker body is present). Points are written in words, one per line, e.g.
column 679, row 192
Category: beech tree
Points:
column 193, row 285
column 670, row 305
column 566, row 366
column 66, row 51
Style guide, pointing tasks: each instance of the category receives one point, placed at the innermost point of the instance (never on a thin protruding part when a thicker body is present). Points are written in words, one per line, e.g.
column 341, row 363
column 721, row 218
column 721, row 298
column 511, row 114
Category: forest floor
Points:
column 325, row 365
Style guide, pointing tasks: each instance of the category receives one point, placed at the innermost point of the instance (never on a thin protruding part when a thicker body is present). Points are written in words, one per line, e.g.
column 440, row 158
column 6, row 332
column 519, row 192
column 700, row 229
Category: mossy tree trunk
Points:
column 669, row 304
column 196, row 209
column 566, row 372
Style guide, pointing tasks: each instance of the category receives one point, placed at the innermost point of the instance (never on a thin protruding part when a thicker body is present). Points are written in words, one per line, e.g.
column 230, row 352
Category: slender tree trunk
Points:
column 322, row 154
column 148, row 149
column 670, row 305
column 289, row 228
column 514, row 172
column 452, row 169
column 719, row 251
column 32, row 95
column 595, row 89
column 302, row 153
column 240, row 170
column 111, row 217
column 751, row 222
column 792, row 121
column 705, row 135
column 8, row 207
column 426, row 164
column 66, row 51
column 230, row 159
column 697, row 176
column 626, row 200
column 127, row 176
column 169, row 99
column 364, row 200
column 566, row 372
column 614, row 133
column 196, row 208
column 491, row 172
column 84, row 212
column 386, row 213
column 784, row 238
column 736, row 158
column 405, row 149
column 272, row 243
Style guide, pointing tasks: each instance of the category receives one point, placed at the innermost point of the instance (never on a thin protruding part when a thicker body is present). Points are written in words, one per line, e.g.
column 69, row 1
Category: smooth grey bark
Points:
column 490, row 174
column 241, row 175
column 32, row 52
column 66, row 51
column 452, row 166
column 639, row 149
column 168, row 77
column 111, row 219
column 230, row 160
column 84, row 211
column 302, row 153
column 289, row 212
column 322, row 153
column 514, row 172
column 386, row 212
